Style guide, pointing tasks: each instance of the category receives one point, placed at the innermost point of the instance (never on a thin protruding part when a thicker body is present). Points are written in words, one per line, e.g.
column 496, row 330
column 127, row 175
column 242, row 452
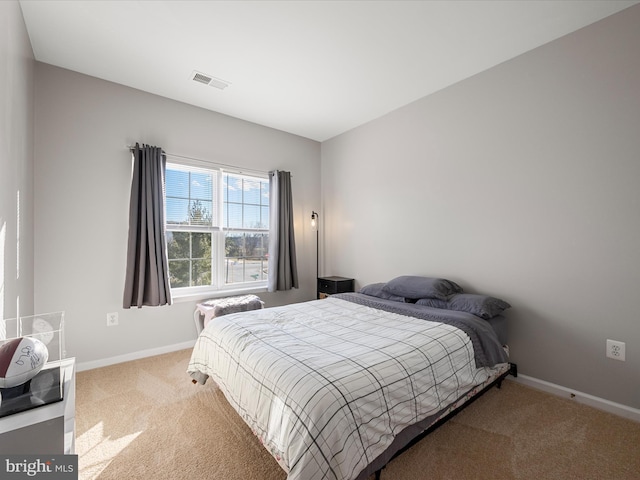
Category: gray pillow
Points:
column 482, row 306
column 410, row 286
column 376, row 290
column 433, row 302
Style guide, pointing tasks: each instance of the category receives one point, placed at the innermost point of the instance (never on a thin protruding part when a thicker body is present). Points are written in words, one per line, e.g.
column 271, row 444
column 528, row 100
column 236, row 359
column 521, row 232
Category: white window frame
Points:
column 218, row 287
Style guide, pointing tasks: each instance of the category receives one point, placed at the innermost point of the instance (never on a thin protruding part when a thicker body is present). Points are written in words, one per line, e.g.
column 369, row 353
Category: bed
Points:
column 334, row 388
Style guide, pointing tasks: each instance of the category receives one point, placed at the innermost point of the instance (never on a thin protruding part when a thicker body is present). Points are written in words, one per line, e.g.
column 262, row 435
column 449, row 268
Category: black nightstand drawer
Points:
column 331, row 285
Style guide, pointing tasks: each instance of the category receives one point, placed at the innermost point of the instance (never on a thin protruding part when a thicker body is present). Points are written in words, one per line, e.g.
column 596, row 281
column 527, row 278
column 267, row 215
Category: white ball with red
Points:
column 20, row 360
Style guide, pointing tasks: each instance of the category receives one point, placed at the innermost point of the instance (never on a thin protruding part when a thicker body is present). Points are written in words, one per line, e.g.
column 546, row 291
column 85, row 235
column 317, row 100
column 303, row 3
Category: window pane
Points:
column 251, row 217
column 201, row 246
column 200, row 212
column 201, row 273
column 256, row 244
column 177, row 211
column 234, row 245
column 233, row 189
column 255, row 270
column 232, row 270
column 265, row 218
column 250, row 269
column 246, row 257
column 201, row 186
column 264, row 187
column 233, row 217
column 251, row 191
column 176, row 183
column 178, row 245
column 179, row 273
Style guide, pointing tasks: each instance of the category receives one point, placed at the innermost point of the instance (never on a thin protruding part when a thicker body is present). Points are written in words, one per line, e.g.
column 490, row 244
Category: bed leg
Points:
column 378, row 472
column 513, row 370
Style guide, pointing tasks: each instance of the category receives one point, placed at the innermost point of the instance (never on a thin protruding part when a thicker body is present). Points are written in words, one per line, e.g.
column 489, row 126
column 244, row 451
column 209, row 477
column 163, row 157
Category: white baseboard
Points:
column 580, row 397
column 105, row 362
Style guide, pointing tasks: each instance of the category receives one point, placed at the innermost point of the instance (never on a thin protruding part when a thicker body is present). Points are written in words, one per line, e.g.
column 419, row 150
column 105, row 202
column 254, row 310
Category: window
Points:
column 217, row 227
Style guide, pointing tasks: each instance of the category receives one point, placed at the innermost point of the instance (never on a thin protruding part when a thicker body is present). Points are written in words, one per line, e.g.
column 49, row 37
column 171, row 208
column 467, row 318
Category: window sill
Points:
column 194, row 297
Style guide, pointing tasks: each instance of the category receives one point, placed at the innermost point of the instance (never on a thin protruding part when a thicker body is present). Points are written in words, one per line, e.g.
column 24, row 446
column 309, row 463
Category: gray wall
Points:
column 16, row 164
column 82, row 182
column 521, row 182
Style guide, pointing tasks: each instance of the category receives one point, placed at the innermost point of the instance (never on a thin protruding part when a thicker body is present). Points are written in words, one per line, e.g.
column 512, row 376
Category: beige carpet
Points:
column 145, row 420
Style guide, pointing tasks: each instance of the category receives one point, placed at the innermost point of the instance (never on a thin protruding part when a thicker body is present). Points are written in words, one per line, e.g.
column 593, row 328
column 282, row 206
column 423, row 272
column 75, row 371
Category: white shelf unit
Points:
column 48, row 429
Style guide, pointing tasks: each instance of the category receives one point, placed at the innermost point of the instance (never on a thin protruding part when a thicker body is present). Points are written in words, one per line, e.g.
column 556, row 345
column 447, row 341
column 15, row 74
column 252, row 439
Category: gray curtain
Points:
column 147, row 275
column 283, row 268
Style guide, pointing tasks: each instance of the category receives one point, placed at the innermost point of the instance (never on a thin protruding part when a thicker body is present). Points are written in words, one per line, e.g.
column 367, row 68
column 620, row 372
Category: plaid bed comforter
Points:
column 327, row 384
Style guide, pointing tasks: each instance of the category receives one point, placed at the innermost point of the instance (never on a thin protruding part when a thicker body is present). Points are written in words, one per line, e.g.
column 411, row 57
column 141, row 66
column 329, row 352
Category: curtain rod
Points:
column 209, row 162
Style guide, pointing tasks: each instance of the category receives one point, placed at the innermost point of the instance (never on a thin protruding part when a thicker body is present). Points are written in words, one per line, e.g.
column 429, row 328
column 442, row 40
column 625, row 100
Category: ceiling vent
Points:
column 209, row 80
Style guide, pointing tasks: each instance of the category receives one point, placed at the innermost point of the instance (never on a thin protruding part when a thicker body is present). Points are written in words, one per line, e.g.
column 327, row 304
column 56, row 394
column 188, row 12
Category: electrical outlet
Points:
column 616, row 350
column 112, row 319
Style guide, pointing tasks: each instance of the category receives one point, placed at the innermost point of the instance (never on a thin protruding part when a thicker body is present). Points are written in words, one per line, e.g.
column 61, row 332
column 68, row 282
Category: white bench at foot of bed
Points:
column 216, row 307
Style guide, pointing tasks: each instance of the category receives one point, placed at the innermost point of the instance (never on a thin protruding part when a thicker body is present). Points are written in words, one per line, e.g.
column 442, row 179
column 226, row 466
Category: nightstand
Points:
column 330, row 285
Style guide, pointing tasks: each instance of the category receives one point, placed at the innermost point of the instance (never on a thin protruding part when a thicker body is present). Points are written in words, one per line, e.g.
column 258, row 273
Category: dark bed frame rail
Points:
column 513, row 370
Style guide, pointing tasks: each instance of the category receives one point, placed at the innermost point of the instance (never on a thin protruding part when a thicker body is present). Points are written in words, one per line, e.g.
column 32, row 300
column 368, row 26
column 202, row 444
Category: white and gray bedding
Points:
column 487, row 346
column 327, row 385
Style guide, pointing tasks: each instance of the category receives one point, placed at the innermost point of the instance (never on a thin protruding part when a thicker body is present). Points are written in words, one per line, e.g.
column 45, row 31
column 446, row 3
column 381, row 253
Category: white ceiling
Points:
column 312, row 68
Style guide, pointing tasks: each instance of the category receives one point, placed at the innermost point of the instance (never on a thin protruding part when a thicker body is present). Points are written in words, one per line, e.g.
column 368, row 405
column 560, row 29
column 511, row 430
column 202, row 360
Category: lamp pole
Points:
column 314, row 224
